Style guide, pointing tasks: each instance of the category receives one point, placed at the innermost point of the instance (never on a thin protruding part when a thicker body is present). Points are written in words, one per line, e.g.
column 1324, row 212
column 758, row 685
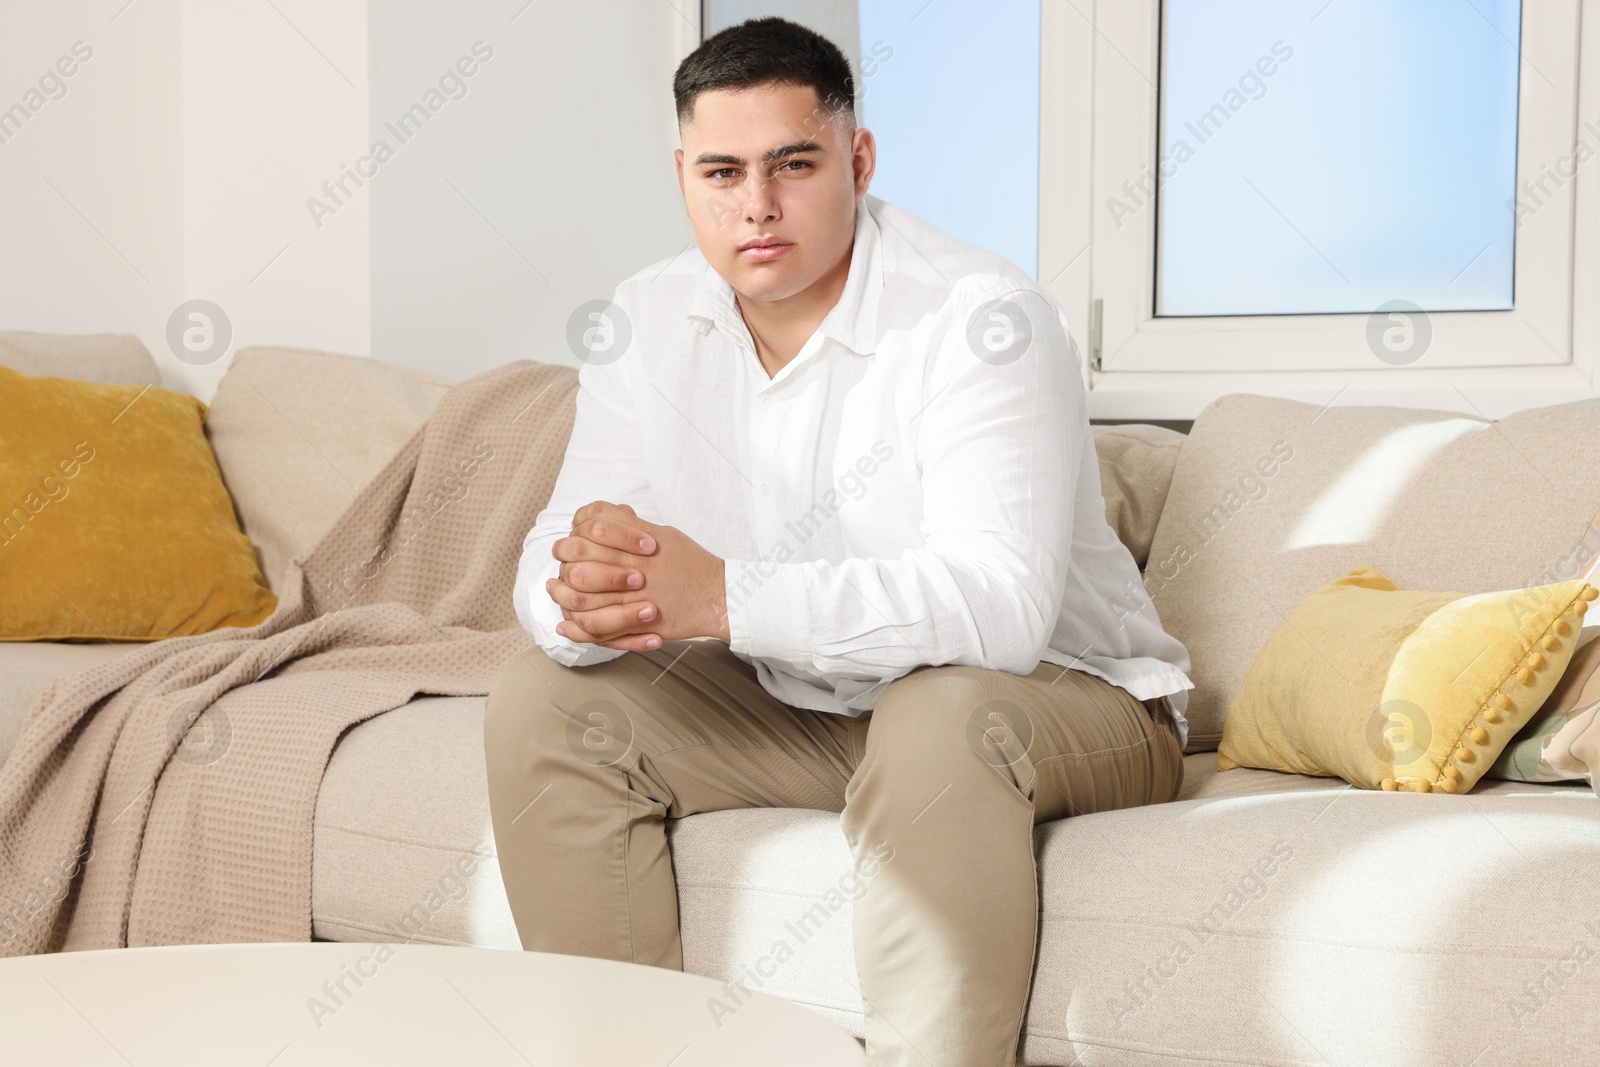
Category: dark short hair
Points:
column 765, row 51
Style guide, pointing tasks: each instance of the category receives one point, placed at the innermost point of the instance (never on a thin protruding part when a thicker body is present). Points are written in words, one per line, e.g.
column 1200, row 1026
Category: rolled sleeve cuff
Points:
column 767, row 616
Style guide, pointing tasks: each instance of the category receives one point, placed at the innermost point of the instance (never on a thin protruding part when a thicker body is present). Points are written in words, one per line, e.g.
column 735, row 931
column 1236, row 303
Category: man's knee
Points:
column 943, row 698
column 948, row 712
column 940, row 735
column 539, row 710
column 521, row 700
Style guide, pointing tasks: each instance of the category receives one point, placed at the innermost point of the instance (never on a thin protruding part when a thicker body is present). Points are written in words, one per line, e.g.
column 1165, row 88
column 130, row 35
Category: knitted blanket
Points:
column 166, row 796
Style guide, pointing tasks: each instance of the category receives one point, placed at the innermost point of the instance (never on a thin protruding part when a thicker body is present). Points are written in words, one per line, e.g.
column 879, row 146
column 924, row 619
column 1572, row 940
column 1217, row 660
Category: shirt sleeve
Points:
column 999, row 443
column 603, row 461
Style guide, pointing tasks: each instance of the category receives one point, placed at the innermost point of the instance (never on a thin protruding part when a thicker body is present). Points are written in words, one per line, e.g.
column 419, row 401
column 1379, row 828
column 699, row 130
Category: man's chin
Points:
column 764, row 283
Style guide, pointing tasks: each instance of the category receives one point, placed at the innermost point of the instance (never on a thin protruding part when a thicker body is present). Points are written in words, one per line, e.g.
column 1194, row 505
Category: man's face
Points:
column 768, row 162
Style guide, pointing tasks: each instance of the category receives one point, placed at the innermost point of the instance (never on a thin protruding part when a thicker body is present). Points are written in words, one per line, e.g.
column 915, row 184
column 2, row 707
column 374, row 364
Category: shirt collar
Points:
column 853, row 321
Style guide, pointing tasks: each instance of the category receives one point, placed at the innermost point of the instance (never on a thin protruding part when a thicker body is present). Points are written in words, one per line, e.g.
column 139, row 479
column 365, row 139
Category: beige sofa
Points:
column 1261, row 918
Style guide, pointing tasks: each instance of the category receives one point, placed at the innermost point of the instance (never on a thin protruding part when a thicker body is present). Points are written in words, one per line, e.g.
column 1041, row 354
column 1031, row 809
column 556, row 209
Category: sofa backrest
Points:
column 298, row 433
column 1263, row 502
column 1136, row 465
column 112, row 358
column 1272, row 499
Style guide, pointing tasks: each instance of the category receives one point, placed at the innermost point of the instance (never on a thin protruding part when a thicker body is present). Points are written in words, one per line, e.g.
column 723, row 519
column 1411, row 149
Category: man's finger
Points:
column 601, row 505
column 576, row 548
column 617, row 619
column 635, row 642
column 589, row 576
column 579, row 597
column 615, row 526
column 614, row 531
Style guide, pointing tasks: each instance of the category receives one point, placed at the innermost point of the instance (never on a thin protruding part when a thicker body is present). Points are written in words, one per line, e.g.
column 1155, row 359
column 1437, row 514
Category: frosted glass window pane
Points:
column 1324, row 157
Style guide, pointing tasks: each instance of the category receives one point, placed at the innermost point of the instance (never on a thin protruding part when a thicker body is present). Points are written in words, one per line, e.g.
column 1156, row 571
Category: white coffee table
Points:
column 281, row 1005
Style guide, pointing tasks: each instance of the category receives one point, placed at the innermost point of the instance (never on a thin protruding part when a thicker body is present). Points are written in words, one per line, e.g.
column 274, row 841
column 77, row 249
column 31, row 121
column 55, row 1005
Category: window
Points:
column 963, row 157
column 1374, row 162
column 1301, row 196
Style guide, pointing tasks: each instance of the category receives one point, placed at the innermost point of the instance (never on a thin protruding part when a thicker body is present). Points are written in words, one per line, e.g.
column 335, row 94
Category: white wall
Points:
column 550, row 181
column 274, row 104
column 186, row 145
column 837, row 20
column 91, row 238
column 197, row 134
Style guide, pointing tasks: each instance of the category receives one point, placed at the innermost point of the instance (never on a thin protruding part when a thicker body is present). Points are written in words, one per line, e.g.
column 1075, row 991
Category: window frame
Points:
column 1099, row 128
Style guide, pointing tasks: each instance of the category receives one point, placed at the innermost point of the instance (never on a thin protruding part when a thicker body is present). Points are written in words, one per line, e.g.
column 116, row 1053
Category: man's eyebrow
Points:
column 777, row 153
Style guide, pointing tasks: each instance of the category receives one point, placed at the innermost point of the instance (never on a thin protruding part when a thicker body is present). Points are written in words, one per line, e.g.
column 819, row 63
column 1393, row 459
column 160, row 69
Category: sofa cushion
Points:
column 1325, row 926
column 1402, row 688
column 112, row 358
column 1136, row 465
column 1378, row 916
column 26, row 667
column 298, row 434
column 404, row 847
column 114, row 522
column 1273, row 498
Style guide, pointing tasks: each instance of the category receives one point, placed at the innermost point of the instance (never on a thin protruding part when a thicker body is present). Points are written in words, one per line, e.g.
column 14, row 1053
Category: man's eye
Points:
column 717, row 175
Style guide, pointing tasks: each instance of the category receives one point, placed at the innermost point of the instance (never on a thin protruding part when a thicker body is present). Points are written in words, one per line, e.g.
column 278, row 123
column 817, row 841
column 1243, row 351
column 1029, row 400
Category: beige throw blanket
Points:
column 122, row 824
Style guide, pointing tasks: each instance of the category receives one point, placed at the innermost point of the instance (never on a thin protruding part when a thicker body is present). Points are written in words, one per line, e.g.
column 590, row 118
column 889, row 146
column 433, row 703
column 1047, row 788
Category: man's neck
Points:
column 780, row 328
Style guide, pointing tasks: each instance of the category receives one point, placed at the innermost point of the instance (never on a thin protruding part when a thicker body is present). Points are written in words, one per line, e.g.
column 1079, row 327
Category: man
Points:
column 828, row 534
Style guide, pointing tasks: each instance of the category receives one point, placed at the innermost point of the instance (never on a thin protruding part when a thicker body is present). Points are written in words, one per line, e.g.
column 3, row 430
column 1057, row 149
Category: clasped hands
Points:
column 630, row 584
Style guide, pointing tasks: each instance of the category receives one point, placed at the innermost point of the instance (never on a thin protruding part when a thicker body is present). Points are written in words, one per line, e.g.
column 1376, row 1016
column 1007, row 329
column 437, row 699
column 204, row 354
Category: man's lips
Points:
column 765, row 253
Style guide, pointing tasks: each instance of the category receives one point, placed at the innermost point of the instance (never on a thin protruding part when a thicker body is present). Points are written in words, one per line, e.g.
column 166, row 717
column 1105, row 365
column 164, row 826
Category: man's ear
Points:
column 863, row 160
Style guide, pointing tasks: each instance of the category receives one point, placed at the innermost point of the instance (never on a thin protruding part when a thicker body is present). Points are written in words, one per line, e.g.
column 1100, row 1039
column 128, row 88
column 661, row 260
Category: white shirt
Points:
column 888, row 499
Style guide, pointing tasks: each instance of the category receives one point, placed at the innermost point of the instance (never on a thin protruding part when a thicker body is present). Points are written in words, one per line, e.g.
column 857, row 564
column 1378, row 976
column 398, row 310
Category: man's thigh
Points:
column 1076, row 743
column 688, row 721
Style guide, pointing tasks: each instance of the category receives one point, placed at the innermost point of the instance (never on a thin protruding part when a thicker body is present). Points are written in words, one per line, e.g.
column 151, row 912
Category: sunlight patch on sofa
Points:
column 1352, row 509
column 1390, row 922
column 486, row 912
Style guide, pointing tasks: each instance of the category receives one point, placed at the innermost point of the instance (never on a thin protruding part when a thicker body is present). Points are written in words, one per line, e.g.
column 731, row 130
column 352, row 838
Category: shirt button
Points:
column 766, row 398
column 766, row 490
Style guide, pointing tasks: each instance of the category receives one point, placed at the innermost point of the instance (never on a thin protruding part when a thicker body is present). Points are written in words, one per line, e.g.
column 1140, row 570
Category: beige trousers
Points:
column 939, row 788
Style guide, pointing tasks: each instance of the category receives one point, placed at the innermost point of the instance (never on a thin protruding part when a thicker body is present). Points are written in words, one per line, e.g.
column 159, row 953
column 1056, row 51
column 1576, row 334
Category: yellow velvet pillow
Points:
column 114, row 522
column 1397, row 689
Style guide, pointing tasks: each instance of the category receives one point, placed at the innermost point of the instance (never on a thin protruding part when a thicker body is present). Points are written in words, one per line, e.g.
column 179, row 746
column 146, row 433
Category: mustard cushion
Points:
column 114, row 522
column 1398, row 689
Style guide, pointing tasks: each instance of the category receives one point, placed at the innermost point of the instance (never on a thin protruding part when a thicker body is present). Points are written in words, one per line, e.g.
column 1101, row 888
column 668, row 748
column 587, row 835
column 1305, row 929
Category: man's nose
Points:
column 760, row 202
